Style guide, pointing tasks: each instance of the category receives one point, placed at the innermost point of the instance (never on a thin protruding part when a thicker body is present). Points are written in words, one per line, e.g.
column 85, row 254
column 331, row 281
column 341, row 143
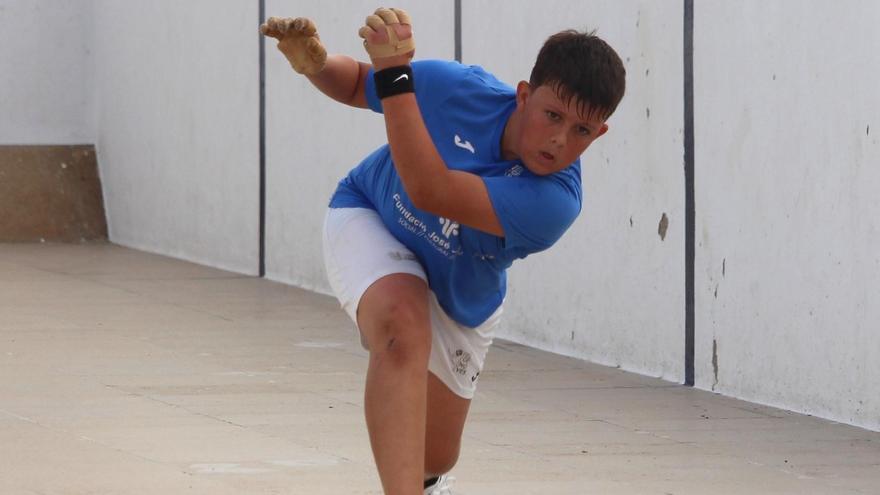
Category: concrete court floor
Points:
column 123, row 372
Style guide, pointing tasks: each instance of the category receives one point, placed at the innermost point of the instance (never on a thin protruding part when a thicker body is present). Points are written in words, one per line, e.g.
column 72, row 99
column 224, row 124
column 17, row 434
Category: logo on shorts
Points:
column 450, row 228
column 398, row 256
column 460, row 361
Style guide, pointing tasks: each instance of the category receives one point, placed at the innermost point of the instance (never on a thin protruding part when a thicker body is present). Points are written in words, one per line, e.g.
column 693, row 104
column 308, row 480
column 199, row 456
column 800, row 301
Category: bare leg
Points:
column 393, row 317
column 447, row 413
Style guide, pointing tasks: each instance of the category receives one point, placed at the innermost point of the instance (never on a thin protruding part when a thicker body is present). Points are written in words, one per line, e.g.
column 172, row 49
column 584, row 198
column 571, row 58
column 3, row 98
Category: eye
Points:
column 583, row 131
column 553, row 116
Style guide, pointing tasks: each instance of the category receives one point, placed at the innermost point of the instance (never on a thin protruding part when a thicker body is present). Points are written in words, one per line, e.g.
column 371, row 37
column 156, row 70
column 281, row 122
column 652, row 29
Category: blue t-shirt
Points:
column 465, row 110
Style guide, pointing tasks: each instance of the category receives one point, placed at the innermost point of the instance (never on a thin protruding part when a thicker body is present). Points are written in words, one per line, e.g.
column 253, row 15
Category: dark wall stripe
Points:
column 690, row 207
column 458, row 30
column 262, row 266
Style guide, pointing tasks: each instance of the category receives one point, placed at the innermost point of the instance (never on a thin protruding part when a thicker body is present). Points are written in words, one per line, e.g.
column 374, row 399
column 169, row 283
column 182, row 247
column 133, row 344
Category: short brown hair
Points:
column 582, row 66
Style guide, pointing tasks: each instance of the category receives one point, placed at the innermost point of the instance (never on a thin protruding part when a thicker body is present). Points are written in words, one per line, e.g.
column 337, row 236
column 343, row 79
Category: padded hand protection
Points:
column 298, row 40
column 382, row 21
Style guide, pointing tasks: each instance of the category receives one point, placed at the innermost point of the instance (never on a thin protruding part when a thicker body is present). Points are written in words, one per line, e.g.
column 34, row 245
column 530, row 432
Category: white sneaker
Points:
column 443, row 486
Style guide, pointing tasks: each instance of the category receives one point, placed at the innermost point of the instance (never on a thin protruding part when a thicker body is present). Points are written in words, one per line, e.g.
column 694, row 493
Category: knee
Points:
column 393, row 318
column 401, row 333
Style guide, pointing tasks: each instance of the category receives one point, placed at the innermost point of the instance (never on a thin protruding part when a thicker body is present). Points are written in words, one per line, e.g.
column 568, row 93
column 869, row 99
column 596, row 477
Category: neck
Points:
column 510, row 136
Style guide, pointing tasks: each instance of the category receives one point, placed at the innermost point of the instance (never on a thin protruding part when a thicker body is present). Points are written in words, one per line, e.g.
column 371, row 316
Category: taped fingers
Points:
column 278, row 24
column 387, row 21
column 298, row 40
column 387, row 15
column 365, row 31
column 402, row 16
column 288, row 25
column 278, row 27
column 375, row 22
column 316, row 50
column 305, row 26
column 271, row 28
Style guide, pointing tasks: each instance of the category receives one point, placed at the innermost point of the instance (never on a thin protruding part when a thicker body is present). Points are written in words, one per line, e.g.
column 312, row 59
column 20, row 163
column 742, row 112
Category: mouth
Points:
column 547, row 157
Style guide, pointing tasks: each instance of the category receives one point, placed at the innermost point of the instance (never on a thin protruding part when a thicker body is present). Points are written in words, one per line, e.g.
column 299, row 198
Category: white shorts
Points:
column 358, row 251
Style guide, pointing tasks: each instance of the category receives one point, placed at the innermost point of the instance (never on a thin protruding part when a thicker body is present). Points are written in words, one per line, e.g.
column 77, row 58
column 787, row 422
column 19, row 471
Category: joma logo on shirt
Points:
column 450, row 228
column 464, row 144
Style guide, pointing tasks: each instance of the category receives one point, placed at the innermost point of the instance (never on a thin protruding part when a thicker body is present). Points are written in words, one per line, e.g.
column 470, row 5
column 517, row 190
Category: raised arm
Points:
column 430, row 184
column 338, row 76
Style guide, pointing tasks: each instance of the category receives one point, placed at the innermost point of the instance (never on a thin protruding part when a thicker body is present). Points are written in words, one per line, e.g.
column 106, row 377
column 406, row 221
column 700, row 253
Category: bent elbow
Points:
column 420, row 198
column 425, row 197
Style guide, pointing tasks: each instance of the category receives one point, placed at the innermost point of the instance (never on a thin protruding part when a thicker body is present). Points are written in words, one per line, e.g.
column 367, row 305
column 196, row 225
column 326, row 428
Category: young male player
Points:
column 475, row 175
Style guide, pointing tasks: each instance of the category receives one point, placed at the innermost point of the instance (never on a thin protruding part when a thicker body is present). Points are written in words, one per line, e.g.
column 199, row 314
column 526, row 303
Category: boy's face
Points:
column 553, row 134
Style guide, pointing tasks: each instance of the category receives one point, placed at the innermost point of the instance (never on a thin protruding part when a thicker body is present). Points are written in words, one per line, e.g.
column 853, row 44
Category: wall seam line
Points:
column 690, row 204
column 262, row 145
column 457, row 31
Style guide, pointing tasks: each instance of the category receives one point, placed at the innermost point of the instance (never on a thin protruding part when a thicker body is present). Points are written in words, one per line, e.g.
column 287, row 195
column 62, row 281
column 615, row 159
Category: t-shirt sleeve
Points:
column 435, row 81
column 533, row 211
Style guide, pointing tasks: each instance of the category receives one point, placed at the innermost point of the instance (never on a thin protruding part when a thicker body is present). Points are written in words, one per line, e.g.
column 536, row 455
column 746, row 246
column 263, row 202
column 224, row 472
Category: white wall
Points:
column 45, row 73
column 788, row 215
column 633, row 173
column 312, row 141
column 177, row 87
column 787, row 147
column 611, row 291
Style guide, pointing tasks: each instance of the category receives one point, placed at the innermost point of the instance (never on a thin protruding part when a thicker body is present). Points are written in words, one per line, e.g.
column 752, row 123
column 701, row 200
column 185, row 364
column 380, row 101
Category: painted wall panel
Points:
column 612, row 290
column 313, row 141
column 178, row 107
column 787, row 155
column 46, row 73
column 787, row 147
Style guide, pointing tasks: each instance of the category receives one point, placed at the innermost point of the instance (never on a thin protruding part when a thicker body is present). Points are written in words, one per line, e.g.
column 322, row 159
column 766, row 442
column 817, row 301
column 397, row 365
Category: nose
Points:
column 558, row 139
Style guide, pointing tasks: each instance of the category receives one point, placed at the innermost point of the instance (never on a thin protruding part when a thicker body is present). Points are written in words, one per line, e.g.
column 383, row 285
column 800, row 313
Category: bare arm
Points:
column 337, row 76
column 453, row 194
column 429, row 183
column 343, row 79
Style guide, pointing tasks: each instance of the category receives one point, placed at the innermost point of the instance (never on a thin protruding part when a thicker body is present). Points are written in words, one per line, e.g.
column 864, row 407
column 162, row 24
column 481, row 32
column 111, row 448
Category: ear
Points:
column 602, row 130
column 523, row 91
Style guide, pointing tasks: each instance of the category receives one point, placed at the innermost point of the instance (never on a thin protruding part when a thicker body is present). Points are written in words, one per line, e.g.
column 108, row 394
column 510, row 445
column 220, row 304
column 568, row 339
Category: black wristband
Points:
column 394, row 81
